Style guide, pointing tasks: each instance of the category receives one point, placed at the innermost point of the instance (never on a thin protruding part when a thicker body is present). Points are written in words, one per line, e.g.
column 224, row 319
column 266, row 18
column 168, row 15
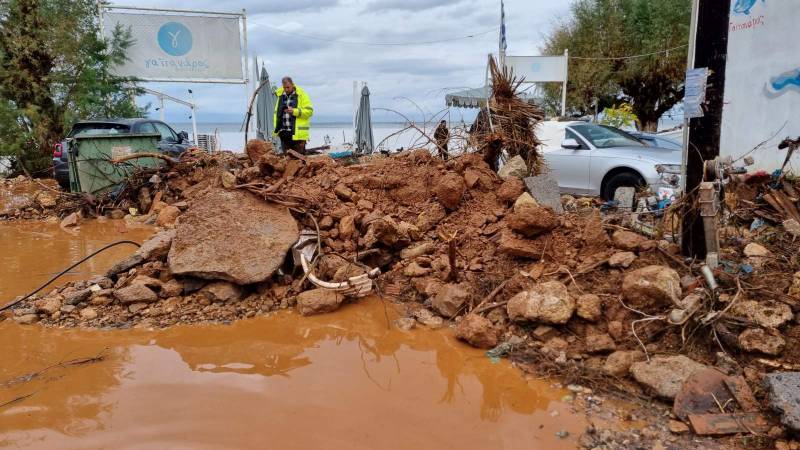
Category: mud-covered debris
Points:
column 548, row 302
column 600, row 343
column 319, row 301
column 531, row 221
column 510, row 190
column 514, row 168
column 71, row 220
column 665, row 375
column 168, row 216
column 627, row 240
column 135, row 293
column 652, row 286
column 221, row 291
column 477, row 331
column 622, row 260
column 590, row 307
column 450, row 299
column 232, row 236
column 765, row 314
column 768, row 342
column 449, row 190
column 619, row 362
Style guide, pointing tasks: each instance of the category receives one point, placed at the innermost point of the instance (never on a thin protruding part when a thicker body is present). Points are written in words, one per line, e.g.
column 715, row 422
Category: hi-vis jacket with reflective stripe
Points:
column 302, row 114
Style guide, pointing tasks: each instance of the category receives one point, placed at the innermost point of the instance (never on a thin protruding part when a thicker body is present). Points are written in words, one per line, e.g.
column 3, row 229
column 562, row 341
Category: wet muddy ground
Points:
column 347, row 380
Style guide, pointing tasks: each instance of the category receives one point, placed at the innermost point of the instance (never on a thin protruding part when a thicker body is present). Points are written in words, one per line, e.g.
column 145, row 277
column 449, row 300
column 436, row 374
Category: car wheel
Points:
column 623, row 179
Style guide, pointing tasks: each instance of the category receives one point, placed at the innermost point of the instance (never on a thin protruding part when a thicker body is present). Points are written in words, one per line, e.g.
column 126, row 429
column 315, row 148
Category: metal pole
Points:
column 689, row 65
column 194, row 116
column 244, row 34
column 100, row 15
column 161, row 108
column 564, row 87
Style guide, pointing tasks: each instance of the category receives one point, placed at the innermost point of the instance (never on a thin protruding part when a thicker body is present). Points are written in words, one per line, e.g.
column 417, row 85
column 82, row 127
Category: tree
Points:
column 54, row 70
column 607, row 32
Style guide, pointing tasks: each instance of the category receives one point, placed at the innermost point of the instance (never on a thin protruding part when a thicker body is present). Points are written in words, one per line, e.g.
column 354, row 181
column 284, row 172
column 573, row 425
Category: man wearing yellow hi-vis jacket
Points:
column 293, row 112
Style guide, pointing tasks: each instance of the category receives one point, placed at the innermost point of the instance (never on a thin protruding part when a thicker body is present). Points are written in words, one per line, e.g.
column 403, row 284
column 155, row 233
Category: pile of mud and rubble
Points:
column 559, row 288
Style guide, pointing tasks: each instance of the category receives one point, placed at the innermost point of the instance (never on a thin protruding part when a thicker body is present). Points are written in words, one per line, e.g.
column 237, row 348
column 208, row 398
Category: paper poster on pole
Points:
column 172, row 47
column 762, row 81
column 538, row 69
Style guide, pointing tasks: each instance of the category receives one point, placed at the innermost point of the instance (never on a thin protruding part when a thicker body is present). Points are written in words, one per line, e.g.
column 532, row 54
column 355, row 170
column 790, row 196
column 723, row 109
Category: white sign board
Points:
column 762, row 81
column 170, row 47
column 538, row 69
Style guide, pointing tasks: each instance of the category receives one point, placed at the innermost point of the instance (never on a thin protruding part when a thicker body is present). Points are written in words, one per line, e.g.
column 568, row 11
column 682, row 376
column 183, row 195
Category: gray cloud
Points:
column 409, row 5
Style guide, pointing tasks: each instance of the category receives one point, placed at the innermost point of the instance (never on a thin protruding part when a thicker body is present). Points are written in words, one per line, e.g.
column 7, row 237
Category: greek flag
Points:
column 503, row 42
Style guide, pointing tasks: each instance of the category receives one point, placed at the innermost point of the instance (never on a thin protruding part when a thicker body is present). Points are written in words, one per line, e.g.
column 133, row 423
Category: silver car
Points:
column 590, row 159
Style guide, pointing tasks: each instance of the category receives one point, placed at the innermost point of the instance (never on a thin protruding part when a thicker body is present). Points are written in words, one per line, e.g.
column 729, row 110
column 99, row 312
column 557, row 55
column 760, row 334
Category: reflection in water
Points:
column 340, row 381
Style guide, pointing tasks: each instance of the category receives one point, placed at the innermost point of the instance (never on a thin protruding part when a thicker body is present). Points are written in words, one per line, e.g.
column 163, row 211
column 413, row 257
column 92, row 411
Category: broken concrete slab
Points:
column 544, row 189
column 665, row 375
column 548, row 302
column 624, row 197
column 232, row 236
column 783, row 389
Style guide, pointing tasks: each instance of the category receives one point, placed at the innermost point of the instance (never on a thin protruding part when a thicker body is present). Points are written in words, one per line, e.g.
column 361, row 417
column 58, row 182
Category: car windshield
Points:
column 83, row 129
column 606, row 137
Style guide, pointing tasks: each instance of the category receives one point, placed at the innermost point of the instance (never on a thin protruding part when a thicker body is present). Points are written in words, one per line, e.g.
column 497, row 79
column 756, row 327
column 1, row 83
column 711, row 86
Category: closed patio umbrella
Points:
column 265, row 107
column 364, row 140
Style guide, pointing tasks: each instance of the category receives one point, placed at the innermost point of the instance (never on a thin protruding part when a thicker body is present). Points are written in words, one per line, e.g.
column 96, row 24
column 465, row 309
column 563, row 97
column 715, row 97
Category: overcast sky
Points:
column 327, row 70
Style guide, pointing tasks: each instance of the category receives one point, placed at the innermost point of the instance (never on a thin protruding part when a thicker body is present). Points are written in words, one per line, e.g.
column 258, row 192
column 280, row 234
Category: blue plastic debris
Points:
column 498, row 352
column 746, row 268
column 757, row 223
column 342, row 154
column 609, row 205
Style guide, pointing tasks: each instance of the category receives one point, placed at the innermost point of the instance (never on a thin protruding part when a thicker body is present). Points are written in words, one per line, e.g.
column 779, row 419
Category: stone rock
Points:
column 117, row 214
column 758, row 340
column 77, row 297
column 157, row 247
column 405, row 323
column 513, row 245
column 794, row 290
column 27, row 319
column 590, row 307
column 544, row 188
column 319, row 301
column 449, row 190
column 365, row 204
column 48, row 305
column 343, row 192
column 600, row 343
column 783, row 390
column 88, row 313
column 428, row 318
column 622, row 260
column 544, row 332
column 477, row 331
column 754, row 250
column 677, row 427
column 471, row 177
column 765, row 314
column 426, row 248
column 431, row 217
column 150, row 282
column 627, row 240
column 168, row 216
column 221, row 291
column 525, row 199
column 46, row 200
column 514, row 167
column 257, row 149
column 510, row 190
column 548, row 302
column 228, row 179
column 531, row 221
column 450, row 299
column 427, row 286
column 347, row 228
column 232, row 236
column 171, row 288
column 652, row 285
column 414, row 270
column 67, row 309
column 665, row 375
column 250, row 174
column 136, row 308
column 135, row 293
column 70, row 221
column 619, row 363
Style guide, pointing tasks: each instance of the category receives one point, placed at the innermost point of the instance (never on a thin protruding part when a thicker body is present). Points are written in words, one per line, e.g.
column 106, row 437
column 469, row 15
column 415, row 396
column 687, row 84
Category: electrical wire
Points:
column 380, row 44
column 60, row 274
column 620, row 58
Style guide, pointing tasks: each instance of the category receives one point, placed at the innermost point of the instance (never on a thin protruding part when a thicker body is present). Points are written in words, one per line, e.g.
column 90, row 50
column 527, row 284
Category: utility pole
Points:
column 711, row 23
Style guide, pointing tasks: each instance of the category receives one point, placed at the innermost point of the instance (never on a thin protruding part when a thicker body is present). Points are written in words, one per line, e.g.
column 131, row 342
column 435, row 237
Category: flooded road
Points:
column 346, row 380
column 32, row 252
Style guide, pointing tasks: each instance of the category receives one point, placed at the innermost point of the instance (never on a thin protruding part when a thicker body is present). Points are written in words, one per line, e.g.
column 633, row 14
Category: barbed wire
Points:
column 380, row 44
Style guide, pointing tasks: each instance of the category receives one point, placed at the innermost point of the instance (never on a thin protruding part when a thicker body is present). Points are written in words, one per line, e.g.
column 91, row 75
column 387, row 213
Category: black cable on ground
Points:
column 60, row 274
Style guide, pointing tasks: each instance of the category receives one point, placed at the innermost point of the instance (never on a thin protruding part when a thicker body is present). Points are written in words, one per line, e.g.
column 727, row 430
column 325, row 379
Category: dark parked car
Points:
column 171, row 143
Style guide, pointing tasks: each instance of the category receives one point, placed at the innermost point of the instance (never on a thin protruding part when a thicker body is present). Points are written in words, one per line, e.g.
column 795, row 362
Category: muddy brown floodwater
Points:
column 346, row 380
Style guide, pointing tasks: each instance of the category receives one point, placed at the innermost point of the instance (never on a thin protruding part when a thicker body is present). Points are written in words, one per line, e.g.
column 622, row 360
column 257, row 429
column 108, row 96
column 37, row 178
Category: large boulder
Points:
column 665, row 375
column 232, row 236
column 548, row 302
column 450, row 299
column 627, row 240
column 530, row 221
column 514, row 167
column 477, row 331
column 319, row 301
column 652, row 285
